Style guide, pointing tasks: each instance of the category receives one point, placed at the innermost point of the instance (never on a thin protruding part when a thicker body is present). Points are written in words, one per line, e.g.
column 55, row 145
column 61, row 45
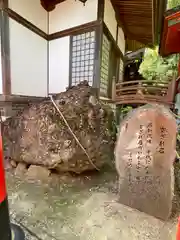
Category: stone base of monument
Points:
column 152, row 194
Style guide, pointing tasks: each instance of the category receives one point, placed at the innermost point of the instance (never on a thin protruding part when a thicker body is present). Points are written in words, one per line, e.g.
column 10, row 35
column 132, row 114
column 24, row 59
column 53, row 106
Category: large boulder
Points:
column 38, row 135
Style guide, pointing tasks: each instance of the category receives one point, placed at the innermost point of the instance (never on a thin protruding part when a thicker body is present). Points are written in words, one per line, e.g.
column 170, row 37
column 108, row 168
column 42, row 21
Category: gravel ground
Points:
column 81, row 208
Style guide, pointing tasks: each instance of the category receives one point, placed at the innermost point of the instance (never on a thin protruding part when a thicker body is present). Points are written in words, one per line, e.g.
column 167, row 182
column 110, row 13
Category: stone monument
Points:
column 144, row 156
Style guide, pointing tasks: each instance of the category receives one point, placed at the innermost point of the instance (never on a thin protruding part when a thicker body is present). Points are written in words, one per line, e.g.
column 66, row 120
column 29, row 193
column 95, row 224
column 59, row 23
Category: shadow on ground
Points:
column 86, row 207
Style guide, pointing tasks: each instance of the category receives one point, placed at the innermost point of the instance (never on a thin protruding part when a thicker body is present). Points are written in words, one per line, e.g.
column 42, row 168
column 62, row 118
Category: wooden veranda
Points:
column 144, row 91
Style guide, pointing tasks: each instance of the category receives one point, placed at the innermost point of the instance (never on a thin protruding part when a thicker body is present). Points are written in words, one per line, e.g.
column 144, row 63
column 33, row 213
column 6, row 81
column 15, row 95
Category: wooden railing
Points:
column 144, row 91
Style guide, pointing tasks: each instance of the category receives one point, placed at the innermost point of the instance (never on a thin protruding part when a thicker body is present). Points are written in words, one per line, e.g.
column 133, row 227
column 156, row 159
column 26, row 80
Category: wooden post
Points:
column 171, row 91
column 114, row 88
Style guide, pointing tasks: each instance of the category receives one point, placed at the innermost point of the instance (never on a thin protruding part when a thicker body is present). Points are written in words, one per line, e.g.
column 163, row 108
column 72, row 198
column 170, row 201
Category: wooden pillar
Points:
column 114, row 88
column 98, row 48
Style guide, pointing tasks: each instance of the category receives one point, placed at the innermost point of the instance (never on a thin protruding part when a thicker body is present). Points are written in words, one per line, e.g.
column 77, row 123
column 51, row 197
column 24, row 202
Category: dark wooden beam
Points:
column 15, row 16
column 78, row 29
column 159, row 16
column 3, row 4
column 70, row 60
column 97, row 60
column 98, row 48
column 5, row 48
column 48, row 58
column 117, row 34
column 75, row 30
column 100, row 12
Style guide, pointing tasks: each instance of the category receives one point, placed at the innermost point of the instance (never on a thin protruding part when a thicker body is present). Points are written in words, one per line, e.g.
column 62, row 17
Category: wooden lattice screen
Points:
column 83, row 55
column 104, row 81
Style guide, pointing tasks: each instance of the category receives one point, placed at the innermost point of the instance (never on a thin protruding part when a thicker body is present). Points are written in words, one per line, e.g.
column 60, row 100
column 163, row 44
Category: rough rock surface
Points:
column 39, row 136
column 21, row 169
column 37, row 172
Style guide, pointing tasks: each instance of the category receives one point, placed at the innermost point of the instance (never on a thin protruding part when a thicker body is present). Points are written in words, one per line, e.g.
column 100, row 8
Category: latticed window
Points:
column 104, row 81
column 83, row 55
column 121, row 70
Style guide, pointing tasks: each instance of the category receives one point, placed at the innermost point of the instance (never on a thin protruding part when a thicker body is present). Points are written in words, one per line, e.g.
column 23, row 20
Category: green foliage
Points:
column 154, row 67
column 173, row 3
column 125, row 110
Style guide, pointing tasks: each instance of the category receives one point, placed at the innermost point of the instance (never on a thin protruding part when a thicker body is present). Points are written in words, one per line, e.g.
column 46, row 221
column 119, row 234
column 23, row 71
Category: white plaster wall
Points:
column 109, row 18
column 28, row 53
column 59, row 64
column 121, row 40
column 32, row 11
column 71, row 13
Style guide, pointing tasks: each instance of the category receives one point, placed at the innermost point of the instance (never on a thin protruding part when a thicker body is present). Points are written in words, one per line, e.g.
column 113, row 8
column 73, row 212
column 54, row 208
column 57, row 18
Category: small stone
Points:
column 7, row 165
column 54, row 176
column 93, row 100
column 67, row 143
column 21, row 169
column 65, row 177
column 13, row 163
column 37, row 173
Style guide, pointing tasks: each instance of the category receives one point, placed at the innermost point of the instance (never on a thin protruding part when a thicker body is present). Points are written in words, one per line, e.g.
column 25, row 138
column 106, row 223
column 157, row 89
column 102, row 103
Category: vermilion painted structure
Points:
column 178, row 230
column 2, row 178
column 170, row 38
column 7, row 231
